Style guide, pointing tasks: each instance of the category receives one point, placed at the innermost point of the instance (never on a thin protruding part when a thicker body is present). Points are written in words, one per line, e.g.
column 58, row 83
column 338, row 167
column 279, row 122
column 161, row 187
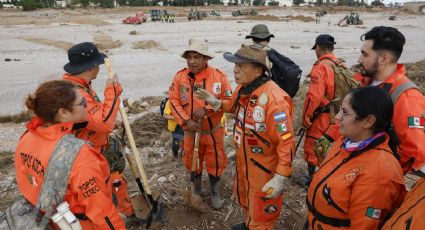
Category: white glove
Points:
column 209, row 98
column 276, row 186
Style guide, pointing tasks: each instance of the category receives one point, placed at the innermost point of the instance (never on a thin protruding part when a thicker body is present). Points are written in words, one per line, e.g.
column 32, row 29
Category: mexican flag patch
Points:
column 416, row 122
column 373, row 213
column 281, row 127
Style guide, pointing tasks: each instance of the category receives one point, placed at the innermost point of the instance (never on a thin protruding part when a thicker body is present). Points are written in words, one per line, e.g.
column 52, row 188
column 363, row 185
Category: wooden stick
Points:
column 130, row 135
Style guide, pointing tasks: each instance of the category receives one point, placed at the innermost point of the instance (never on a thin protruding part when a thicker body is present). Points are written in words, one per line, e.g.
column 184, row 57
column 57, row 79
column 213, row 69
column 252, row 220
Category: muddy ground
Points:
column 154, row 142
column 38, row 40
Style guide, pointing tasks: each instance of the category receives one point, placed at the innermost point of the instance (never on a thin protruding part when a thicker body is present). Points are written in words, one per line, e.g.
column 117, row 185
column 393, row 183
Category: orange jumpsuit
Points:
column 184, row 103
column 410, row 105
column 264, row 144
column 355, row 190
column 89, row 187
column 411, row 213
column 320, row 92
column 101, row 118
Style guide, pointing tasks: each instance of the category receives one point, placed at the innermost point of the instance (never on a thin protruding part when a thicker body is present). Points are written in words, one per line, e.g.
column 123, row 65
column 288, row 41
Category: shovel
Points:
column 146, row 205
column 190, row 198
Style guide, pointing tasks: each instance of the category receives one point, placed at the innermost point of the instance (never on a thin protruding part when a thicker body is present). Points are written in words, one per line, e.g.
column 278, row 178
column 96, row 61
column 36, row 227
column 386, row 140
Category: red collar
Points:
column 201, row 75
column 331, row 56
column 50, row 132
column 77, row 80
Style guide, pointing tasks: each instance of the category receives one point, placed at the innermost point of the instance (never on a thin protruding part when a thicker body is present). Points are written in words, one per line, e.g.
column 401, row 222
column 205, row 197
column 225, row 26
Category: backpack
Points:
column 344, row 82
column 22, row 214
column 162, row 106
column 285, row 73
column 394, row 140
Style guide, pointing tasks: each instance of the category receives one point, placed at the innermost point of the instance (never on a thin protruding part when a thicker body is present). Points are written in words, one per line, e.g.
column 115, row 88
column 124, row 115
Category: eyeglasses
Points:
column 82, row 103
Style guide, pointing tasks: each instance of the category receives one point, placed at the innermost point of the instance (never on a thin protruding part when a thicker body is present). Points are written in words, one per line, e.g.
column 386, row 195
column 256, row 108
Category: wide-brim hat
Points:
column 83, row 57
column 198, row 45
column 248, row 54
column 324, row 39
column 260, row 31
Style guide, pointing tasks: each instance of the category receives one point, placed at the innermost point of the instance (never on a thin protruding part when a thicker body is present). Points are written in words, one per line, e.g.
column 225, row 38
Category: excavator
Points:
column 351, row 19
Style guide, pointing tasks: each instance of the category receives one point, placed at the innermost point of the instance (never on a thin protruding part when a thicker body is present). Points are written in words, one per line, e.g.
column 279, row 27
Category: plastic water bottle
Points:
column 69, row 216
column 60, row 221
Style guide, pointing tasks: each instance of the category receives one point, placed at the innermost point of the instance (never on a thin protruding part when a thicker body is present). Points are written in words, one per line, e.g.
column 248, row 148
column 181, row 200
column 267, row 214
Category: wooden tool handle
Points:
column 130, row 135
column 195, row 160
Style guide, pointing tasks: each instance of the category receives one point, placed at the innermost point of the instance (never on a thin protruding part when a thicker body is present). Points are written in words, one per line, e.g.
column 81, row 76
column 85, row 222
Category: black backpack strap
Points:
column 57, row 174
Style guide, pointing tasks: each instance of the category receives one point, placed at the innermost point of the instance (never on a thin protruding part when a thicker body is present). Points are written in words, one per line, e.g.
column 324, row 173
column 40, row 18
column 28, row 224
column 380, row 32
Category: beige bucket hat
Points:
column 199, row 46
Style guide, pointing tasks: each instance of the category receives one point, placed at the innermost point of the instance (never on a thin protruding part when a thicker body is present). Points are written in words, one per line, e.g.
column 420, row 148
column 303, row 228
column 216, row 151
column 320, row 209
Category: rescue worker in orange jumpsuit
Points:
column 82, row 69
column 410, row 215
column 316, row 113
column 58, row 107
column 263, row 137
column 360, row 182
column 381, row 49
column 187, row 110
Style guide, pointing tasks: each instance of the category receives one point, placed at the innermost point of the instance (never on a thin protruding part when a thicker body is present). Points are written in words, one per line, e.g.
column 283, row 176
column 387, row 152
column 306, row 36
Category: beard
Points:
column 371, row 72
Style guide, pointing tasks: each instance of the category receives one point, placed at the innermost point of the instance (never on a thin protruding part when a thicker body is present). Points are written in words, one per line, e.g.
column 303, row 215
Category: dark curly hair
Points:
column 50, row 97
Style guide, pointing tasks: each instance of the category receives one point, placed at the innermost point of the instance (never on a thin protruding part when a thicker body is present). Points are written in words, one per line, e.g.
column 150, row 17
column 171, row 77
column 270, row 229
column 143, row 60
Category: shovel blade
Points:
column 140, row 205
column 193, row 200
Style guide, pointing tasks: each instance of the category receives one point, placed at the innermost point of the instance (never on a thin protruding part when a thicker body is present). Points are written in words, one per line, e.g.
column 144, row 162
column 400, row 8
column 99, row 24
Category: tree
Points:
column 28, row 5
column 297, row 2
column 258, row 2
column 273, row 3
column 84, row 3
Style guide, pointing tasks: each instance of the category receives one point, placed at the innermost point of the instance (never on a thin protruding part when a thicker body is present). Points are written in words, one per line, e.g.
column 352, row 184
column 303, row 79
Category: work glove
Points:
column 209, row 98
column 321, row 147
column 274, row 187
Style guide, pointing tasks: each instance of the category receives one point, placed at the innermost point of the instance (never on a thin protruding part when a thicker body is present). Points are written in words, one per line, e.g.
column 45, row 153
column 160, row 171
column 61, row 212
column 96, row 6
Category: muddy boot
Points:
column 240, row 226
column 215, row 193
column 197, row 182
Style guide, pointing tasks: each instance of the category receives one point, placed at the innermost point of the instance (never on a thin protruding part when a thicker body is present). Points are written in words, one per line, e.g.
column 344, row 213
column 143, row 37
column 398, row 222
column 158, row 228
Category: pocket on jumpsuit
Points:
column 266, row 209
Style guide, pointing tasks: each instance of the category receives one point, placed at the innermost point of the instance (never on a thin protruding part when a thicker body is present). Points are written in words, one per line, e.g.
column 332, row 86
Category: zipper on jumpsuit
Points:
column 244, row 151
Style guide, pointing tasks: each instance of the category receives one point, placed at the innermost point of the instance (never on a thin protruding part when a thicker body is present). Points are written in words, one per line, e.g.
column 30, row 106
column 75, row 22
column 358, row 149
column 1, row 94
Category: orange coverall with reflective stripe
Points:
column 411, row 213
column 320, row 92
column 89, row 187
column 361, row 190
column 264, row 145
column 410, row 104
column 184, row 103
column 101, row 117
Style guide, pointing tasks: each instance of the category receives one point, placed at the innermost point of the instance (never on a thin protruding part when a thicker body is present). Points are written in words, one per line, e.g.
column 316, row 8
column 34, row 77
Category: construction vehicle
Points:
column 214, row 13
column 352, row 19
column 194, row 15
column 156, row 15
column 139, row 18
column 237, row 13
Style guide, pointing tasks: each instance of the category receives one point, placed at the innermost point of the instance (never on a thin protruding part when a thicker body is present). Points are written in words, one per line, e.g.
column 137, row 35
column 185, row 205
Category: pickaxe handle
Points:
column 130, row 136
column 195, row 160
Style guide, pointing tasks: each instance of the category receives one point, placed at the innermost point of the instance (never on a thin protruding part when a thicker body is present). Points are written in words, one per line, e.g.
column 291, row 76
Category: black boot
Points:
column 197, row 182
column 240, row 226
column 216, row 201
column 311, row 170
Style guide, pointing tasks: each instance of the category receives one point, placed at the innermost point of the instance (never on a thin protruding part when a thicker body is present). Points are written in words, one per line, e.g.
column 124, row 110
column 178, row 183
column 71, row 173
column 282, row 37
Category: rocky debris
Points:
column 147, row 129
column 416, row 72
